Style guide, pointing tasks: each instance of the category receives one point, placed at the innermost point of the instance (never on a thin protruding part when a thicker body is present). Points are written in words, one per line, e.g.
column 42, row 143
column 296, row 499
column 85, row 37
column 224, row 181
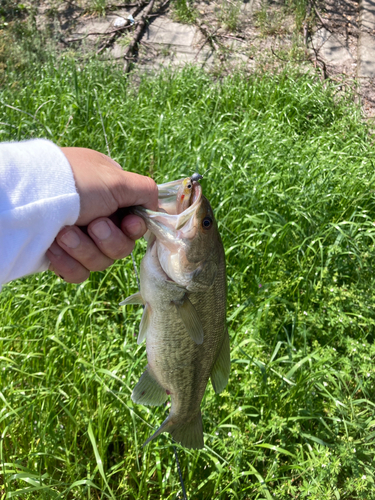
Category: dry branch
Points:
column 97, row 33
column 112, row 38
column 320, row 17
column 128, row 56
column 233, row 38
column 211, row 38
column 160, row 9
column 306, row 27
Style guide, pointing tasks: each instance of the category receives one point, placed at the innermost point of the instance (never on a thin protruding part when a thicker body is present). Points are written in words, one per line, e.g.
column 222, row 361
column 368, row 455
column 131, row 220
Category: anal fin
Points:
column 220, row 370
column 189, row 316
column 148, row 391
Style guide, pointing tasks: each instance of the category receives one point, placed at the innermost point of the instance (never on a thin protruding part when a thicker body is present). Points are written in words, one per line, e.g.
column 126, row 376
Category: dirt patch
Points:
column 221, row 35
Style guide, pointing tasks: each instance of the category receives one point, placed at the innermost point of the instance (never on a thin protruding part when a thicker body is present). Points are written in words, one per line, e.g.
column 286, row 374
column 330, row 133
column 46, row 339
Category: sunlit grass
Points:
column 288, row 167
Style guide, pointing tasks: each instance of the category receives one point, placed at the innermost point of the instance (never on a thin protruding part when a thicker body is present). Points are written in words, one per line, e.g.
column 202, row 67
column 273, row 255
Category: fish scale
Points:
column 183, row 288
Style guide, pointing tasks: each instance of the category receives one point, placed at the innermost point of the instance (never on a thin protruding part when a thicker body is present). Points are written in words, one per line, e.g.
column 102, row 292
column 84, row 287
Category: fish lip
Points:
column 169, row 188
column 184, row 216
column 171, row 222
column 167, row 194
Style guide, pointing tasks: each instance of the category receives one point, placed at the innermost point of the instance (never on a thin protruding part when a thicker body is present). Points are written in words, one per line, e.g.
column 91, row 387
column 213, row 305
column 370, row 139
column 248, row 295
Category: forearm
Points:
column 37, row 198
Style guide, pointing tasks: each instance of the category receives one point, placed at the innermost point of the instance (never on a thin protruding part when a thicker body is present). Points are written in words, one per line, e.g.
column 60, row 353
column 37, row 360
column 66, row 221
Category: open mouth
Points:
column 168, row 203
column 166, row 222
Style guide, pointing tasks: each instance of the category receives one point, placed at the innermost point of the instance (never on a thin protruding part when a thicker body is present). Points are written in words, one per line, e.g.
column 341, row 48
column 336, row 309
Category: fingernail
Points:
column 101, row 230
column 70, row 239
column 134, row 229
column 55, row 249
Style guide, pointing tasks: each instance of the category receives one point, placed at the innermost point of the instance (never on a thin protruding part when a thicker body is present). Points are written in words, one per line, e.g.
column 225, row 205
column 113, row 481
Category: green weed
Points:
column 184, row 11
column 288, row 167
column 229, row 16
column 97, row 7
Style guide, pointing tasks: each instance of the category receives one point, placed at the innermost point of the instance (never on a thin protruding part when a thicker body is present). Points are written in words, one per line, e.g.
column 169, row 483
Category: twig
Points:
column 149, row 46
column 36, row 112
column 126, row 26
column 162, row 6
column 66, row 127
column 137, row 35
column 232, row 37
column 33, row 117
column 211, row 38
column 160, row 9
column 20, row 110
column 103, row 127
column 113, row 37
column 306, row 25
column 8, row 124
column 206, row 38
column 322, row 65
column 320, row 17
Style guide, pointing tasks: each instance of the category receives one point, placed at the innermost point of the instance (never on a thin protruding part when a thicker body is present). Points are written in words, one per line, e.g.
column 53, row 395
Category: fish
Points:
column 183, row 291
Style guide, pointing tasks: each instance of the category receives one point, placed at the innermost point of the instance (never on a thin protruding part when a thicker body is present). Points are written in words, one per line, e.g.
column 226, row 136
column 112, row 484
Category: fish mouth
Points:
column 166, row 222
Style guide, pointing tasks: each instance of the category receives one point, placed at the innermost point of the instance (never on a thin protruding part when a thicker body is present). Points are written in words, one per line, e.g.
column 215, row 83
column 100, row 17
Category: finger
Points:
column 110, row 239
column 65, row 266
column 135, row 189
column 81, row 247
column 133, row 226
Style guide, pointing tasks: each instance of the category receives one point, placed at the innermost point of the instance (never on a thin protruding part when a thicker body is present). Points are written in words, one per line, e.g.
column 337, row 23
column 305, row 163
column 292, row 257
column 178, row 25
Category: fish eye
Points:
column 207, row 223
column 189, row 186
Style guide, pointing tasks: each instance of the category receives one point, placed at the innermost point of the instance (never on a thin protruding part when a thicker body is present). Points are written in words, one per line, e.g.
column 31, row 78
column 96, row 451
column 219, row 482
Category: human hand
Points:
column 104, row 188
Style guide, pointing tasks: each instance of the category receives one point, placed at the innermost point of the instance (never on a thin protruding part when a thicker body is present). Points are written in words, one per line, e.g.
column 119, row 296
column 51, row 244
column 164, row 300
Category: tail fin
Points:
column 188, row 434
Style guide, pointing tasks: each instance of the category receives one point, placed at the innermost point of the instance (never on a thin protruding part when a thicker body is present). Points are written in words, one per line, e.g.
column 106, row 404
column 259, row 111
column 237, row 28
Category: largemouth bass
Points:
column 183, row 290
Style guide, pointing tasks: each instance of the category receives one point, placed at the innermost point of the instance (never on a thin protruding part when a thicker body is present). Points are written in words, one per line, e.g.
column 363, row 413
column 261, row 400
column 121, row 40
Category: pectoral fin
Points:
column 136, row 298
column 190, row 319
column 221, row 368
column 143, row 327
column 148, row 391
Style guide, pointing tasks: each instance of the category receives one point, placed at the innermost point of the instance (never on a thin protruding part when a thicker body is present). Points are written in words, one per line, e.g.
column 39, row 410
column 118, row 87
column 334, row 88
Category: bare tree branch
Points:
column 128, row 56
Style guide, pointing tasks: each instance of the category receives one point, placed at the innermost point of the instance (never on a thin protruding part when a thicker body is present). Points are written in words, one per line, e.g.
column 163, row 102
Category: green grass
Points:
column 184, row 11
column 288, row 167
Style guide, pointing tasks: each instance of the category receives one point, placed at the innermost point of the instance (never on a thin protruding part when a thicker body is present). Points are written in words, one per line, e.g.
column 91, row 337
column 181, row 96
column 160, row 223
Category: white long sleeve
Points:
column 38, row 197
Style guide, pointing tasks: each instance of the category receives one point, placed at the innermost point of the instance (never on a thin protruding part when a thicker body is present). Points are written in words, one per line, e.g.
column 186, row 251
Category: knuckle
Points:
column 70, row 270
column 102, row 266
column 97, row 263
column 120, row 252
column 75, row 274
column 153, row 188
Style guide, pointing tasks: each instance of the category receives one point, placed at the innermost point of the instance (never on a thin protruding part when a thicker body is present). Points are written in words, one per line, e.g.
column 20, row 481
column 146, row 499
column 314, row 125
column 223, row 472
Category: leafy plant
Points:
column 98, row 7
column 185, row 11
